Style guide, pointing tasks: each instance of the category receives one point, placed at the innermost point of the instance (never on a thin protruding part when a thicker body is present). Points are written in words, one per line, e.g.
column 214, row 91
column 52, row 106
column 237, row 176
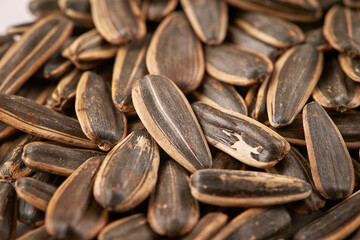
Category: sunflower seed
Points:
column 118, row 21
column 39, row 233
column 269, row 29
column 100, row 120
column 55, row 159
column 31, row 117
column 132, row 227
column 30, row 215
column 36, row 46
column 330, row 162
column 174, row 49
column 241, row 137
column 341, row 28
column 235, row 65
column 295, row 76
column 350, row 66
column 43, row 8
column 238, row 188
column 158, row 9
column 316, row 38
column 8, row 205
column 172, row 210
column 158, row 102
column 217, row 93
column 5, row 45
column 257, row 223
column 19, row 29
column 129, row 67
column 78, row 10
column 352, row 3
column 337, row 223
column 129, row 172
column 208, row 18
column 225, row 161
column 56, row 67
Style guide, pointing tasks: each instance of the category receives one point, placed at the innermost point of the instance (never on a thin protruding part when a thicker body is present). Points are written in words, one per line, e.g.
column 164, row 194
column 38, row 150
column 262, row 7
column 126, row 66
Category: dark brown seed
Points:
column 269, row 29
column 89, row 46
column 4, row 46
column 257, row 223
column 337, row 223
column 39, row 233
column 72, row 211
column 133, row 227
column 350, row 66
column 207, row 226
column 240, row 38
column 295, row 165
column 217, row 93
column 129, row 172
column 295, row 76
column 19, row 28
column 33, row 118
column 158, row 9
column 118, row 21
column 238, row 188
column 55, row 159
column 63, row 95
column 78, row 10
column 100, row 120
column 330, row 162
column 225, row 161
column 341, row 29
column 35, row 192
column 43, row 8
column 316, row 38
column 8, row 206
column 172, row 210
column 129, row 67
column 208, row 18
column 346, row 122
column 235, row 65
column 256, row 101
column 30, row 215
column 352, row 3
column 33, row 49
column 176, row 53
column 56, row 67
column 240, row 136
column 12, row 167
column 297, row 11
column 167, row 115
column 334, row 90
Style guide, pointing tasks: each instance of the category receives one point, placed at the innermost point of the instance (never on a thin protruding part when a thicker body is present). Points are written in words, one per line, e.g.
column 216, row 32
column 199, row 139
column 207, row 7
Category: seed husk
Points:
column 172, row 210
column 30, row 215
column 336, row 223
column 240, row 136
column 225, row 161
column 208, row 18
column 218, row 93
column 43, row 8
column 350, row 66
column 235, row 65
column 31, row 51
column 89, row 46
column 341, row 29
column 78, row 10
column 129, row 67
column 295, row 76
column 158, row 101
column 158, row 9
column 56, row 67
column 129, row 172
column 256, row 101
column 55, row 159
column 100, row 120
column 330, row 161
column 239, row 188
column 132, row 227
column 73, row 211
column 8, row 210
column 35, row 192
column 240, row 38
column 175, row 49
column 297, row 11
column 39, row 233
column 19, row 29
column 295, row 165
column 334, row 90
column 351, row 3
column 5, row 45
column 33, row 118
column 118, row 21
column 63, row 96
column 257, row 223
column 316, row 38
column 207, row 226
column 269, row 29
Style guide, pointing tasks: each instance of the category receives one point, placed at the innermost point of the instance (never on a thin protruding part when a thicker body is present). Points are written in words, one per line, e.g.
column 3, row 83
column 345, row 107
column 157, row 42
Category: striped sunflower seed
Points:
column 78, row 10
column 225, row 161
column 8, row 206
column 5, row 43
column 39, row 233
column 43, row 8
column 316, row 38
column 350, row 66
column 19, row 29
column 158, row 9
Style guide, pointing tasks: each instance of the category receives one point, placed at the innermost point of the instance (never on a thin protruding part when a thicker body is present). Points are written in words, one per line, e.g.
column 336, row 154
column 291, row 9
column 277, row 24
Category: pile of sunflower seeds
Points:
column 190, row 119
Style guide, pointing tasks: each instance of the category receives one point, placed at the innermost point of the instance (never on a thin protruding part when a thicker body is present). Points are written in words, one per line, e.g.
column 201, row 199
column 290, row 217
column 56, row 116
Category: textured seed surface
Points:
column 39, row 233
column 158, row 9
column 350, row 66
column 8, row 205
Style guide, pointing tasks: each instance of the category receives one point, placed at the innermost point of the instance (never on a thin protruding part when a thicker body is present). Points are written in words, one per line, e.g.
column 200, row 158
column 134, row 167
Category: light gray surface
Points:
column 13, row 12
